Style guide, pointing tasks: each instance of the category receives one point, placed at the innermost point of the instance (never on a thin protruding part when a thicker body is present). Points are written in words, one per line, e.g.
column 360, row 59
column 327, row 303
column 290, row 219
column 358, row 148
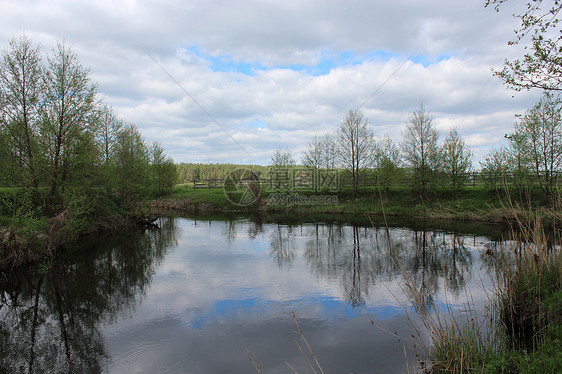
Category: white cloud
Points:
column 309, row 62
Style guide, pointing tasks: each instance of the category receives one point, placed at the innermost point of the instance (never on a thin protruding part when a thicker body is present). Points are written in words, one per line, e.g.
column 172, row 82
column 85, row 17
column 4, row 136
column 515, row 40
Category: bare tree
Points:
column 419, row 147
column 109, row 126
column 456, row 160
column 329, row 152
column 282, row 158
column 280, row 170
column 313, row 154
column 355, row 142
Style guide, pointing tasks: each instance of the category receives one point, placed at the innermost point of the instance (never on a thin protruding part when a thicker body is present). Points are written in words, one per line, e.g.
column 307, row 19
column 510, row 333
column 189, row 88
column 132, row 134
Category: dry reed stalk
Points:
column 303, row 338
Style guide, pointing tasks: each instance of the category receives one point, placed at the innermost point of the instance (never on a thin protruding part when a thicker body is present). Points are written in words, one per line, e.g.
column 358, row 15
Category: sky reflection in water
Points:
column 199, row 296
column 231, row 286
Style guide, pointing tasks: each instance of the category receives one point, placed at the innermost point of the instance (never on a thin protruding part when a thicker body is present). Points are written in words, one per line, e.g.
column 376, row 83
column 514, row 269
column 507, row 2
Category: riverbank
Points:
column 475, row 204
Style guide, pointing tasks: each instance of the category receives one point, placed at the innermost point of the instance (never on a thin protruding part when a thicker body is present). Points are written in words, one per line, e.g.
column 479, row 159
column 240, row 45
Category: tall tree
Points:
column 541, row 67
column 280, row 169
column 355, row 144
column 312, row 156
column 456, row 160
column 329, row 159
column 109, row 126
column 132, row 162
column 540, row 135
column 21, row 93
column 419, row 148
column 67, row 114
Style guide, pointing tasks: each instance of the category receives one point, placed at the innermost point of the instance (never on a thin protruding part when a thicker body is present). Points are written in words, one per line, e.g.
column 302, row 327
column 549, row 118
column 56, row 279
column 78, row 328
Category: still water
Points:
column 204, row 295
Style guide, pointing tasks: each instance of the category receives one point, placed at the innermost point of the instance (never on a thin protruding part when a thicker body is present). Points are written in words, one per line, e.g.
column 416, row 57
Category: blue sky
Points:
column 274, row 74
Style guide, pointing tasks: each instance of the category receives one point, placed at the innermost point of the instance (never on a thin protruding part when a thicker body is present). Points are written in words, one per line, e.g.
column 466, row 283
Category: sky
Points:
column 233, row 81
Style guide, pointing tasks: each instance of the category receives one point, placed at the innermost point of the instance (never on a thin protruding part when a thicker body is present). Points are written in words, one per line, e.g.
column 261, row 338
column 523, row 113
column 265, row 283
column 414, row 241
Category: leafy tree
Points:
column 539, row 133
column 21, row 93
column 132, row 164
column 456, row 160
column 163, row 171
column 157, row 159
column 387, row 162
column 541, row 67
column 355, row 144
column 67, row 115
column 496, row 168
column 420, row 150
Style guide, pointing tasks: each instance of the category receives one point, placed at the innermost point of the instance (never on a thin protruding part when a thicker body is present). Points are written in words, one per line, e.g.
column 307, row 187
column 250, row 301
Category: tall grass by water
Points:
column 520, row 330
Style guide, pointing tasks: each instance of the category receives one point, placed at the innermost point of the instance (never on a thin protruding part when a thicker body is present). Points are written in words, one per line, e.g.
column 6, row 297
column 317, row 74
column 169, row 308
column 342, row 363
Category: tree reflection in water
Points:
column 49, row 320
column 361, row 257
column 282, row 245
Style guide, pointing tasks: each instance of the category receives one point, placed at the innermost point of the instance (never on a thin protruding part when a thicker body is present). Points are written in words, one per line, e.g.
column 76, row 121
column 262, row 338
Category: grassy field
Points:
column 472, row 203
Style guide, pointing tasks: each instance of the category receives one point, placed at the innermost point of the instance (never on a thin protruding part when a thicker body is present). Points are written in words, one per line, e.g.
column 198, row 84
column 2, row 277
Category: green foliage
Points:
column 132, row 166
column 387, row 161
column 78, row 210
column 540, row 67
column 456, row 160
column 67, row 160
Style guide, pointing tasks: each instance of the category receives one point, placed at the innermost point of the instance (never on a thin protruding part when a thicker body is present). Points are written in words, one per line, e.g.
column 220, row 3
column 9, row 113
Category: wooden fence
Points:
column 345, row 180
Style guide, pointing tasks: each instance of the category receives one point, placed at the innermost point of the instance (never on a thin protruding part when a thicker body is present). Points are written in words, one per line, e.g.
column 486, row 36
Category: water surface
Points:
column 210, row 295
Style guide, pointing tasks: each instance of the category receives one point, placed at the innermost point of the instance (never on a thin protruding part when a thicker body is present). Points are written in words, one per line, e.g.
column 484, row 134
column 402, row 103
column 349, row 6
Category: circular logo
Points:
column 242, row 187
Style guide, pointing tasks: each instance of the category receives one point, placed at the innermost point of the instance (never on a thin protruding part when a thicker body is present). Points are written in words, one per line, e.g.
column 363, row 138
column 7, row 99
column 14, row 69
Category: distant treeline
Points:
column 192, row 172
column 371, row 177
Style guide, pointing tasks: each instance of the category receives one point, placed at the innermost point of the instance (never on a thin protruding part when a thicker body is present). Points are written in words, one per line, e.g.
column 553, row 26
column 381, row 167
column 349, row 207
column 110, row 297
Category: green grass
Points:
column 525, row 332
column 477, row 203
column 471, row 203
column 186, row 197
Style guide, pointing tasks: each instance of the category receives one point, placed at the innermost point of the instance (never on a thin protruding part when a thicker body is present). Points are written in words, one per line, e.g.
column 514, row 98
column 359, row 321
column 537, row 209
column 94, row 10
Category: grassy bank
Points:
column 472, row 203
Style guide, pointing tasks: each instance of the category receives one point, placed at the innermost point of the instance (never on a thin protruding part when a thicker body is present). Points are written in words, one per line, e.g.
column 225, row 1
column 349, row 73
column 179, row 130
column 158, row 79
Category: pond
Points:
column 224, row 295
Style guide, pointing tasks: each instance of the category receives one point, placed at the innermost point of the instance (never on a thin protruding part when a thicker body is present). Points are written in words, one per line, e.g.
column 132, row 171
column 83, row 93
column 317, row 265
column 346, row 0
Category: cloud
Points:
column 296, row 67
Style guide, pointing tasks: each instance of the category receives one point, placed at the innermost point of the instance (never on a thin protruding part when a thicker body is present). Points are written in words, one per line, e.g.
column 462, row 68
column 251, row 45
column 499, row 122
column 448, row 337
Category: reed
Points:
column 519, row 330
